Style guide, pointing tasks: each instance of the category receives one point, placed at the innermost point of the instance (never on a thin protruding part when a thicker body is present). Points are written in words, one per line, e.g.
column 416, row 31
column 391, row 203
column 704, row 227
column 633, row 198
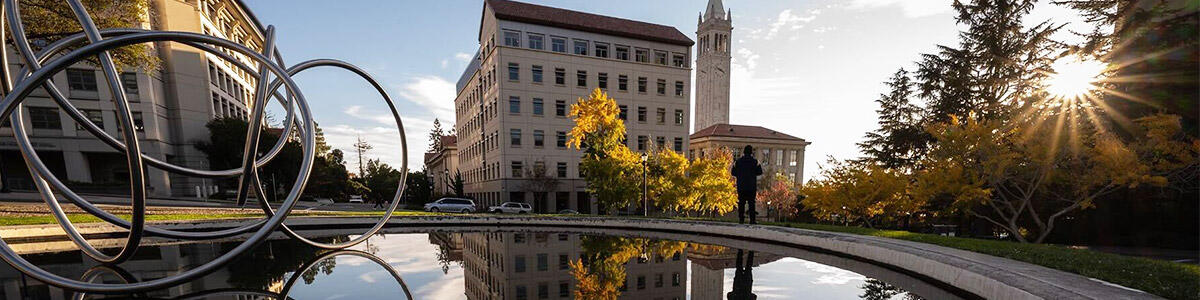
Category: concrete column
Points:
column 77, row 166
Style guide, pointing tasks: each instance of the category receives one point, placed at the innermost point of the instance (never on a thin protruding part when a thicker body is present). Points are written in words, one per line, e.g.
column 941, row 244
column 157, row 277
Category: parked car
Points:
column 465, row 206
column 568, row 212
column 511, row 208
column 356, row 199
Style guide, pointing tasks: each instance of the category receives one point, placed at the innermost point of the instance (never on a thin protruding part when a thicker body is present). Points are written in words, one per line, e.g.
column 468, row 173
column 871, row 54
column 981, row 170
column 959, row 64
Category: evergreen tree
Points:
column 435, row 136
column 900, row 139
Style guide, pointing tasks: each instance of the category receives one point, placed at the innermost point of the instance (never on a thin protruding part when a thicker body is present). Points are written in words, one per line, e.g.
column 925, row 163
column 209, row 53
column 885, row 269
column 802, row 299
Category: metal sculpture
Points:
column 94, row 42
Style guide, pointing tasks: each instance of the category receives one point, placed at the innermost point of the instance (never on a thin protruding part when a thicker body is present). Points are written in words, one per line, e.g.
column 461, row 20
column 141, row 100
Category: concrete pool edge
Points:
column 983, row 275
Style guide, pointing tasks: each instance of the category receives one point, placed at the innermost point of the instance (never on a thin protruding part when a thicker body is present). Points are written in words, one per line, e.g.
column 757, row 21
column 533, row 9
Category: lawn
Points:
column 1163, row 278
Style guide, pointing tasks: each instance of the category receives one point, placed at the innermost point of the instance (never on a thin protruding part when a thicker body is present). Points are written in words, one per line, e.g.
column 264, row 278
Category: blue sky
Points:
column 809, row 68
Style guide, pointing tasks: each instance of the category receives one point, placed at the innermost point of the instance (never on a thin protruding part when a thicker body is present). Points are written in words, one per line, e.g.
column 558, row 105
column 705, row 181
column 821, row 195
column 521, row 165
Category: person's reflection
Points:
column 743, row 278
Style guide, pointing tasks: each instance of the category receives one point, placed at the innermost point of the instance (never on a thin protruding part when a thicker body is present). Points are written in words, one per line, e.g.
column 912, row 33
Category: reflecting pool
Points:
column 492, row 263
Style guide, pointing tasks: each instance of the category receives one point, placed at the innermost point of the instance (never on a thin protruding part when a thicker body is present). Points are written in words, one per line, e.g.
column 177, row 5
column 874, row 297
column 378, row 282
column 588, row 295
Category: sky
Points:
column 808, row 68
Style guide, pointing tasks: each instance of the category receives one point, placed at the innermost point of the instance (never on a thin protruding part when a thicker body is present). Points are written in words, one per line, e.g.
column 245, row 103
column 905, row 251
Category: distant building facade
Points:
column 533, row 63
column 777, row 152
column 442, row 165
column 170, row 106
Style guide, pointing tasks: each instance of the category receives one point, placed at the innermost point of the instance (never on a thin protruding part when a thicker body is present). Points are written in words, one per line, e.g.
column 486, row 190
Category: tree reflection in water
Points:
column 600, row 271
column 875, row 289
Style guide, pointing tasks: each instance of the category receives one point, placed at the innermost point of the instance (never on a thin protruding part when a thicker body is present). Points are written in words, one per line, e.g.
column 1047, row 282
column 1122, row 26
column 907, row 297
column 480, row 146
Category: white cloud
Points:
column 356, row 111
column 463, row 56
column 750, row 59
column 786, row 21
column 911, row 8
column 831, row 275
column 430, row 92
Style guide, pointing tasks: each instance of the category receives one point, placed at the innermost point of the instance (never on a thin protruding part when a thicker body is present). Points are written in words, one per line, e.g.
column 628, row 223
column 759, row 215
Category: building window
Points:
column 678, row 117
column 622, row 52
column 560, row 139
column 537, row 74
column 543, row 291
column 624, row 113
column 662, row 87
column 641, row 282
column 679, row 88
column 564, row 289
column 658, row 280
column 138, row 123
column 622, row 82
column 543, row 262
column 562, row 170
column 641, row 84
column 517, row 170
column 660, row 115
column 660, row 57
column 675, row 279
column 558, row 44
column 603, row 80
column 560, row 76
column 537, row 107
column 602, row 50
column 514, row 105
column 560, row 108
column 129, row 82
column 779, row 157
column 641, row 143
column 581, row 47
column 44, row 118
column 95, row 116
column 794, row 156
column 678, row 61
column 641, row 54
column 660, row 141
column 514, row 71
column 514, row 137
column 678, row 144
column 641, row 113
column 539, row 138
column 581, row 78
column 522, row 294
column 512, row 39
column 535, row 41
column 81, row 80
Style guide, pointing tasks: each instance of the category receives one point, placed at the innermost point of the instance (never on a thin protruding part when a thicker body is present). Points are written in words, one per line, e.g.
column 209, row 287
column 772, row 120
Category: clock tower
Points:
column 713, row 32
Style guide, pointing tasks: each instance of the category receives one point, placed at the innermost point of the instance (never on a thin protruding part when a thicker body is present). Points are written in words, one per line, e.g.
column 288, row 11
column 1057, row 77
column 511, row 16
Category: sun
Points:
column 1073, row 77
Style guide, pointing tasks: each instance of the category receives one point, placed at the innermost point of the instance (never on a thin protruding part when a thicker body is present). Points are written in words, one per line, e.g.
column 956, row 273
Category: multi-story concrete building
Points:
column 536, row 266
column 777, row 152
column 170, row 105
column 533, row 63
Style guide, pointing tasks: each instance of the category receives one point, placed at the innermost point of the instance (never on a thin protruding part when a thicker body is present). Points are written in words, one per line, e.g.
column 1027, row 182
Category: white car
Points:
column 465, row 206
column 511, row 208
column 356, row 199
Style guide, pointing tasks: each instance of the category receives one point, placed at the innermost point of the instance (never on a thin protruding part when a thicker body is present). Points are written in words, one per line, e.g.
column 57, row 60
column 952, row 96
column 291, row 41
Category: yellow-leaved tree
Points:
column 614, row 172
column 857, row 191
column 1023, row 175
column 602, row 274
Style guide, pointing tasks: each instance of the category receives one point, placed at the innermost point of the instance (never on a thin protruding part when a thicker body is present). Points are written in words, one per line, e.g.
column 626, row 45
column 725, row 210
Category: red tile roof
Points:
column 576, row 20
column 742, row 131
column 449, row 140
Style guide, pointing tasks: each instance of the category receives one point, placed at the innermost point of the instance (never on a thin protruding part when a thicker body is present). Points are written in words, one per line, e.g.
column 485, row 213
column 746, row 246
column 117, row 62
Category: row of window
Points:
column 84, row 80
column 581, row 79
column 49, row 118
column 561, row 109
column 537, row 41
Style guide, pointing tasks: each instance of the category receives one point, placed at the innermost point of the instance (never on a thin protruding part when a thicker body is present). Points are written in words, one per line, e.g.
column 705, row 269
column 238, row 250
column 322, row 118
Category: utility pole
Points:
column 361, row 147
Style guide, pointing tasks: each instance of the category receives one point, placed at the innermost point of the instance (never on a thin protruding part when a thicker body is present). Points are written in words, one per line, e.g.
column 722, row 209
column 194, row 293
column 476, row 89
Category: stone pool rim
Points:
column 975, row 273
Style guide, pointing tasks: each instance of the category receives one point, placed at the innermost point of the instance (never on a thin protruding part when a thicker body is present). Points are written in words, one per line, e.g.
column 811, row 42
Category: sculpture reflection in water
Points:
column 274, row 82
column 305, row 273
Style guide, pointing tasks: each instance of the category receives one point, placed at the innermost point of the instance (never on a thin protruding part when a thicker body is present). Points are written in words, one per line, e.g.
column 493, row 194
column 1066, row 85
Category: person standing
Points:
column 747, row 170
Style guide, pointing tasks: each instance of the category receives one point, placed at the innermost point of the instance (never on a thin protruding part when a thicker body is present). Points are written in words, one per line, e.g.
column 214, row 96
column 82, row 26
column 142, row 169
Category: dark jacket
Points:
column 746, row 170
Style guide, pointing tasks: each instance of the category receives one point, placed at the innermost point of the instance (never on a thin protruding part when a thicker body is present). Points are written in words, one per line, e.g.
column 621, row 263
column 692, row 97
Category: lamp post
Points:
column 645, row 197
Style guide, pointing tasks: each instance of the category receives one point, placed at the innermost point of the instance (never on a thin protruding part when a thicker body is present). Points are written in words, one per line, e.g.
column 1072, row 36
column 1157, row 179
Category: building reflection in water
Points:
column 548, row 266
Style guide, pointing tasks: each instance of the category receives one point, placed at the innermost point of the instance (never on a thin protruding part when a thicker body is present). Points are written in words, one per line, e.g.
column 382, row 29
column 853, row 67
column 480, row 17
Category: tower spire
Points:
column 714, row 10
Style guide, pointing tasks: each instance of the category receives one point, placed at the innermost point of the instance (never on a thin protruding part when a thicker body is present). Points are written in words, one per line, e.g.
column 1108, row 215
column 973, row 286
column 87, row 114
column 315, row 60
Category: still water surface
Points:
column 495, row 264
